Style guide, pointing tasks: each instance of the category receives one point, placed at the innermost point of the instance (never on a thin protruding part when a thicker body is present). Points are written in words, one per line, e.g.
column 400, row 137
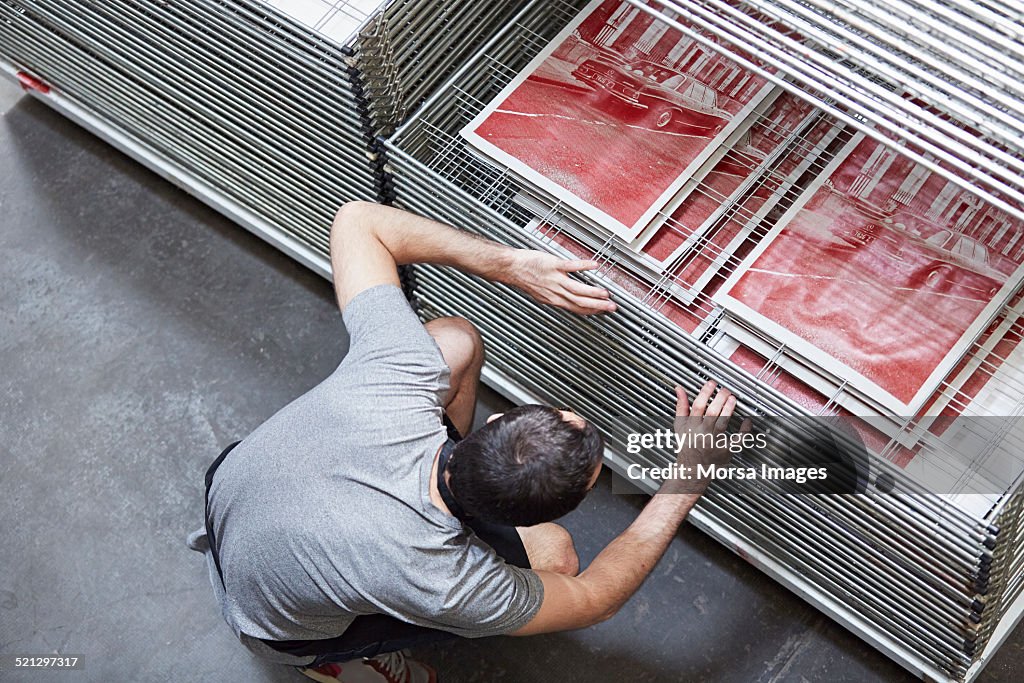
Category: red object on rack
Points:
column 29, row 82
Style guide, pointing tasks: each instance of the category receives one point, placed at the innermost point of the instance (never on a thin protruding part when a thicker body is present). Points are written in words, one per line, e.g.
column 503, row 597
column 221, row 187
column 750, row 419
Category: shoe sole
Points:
column 317, row 676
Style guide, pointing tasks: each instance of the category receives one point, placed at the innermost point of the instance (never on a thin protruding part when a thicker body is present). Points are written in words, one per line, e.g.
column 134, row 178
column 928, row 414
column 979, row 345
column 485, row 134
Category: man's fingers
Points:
column 580, row 289
column 571, row 306
column 572, row 266
column 682, row 402
column 700, row 403
column 722, row 423
column 714, row 409
column 570, row 303
column 598, row 305
column 584, row 306
column 591, row 305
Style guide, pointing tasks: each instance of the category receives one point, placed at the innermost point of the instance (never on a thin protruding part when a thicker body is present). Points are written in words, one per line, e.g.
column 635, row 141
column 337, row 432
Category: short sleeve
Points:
column 471, row 592
column 388, row 343
column 502, row 602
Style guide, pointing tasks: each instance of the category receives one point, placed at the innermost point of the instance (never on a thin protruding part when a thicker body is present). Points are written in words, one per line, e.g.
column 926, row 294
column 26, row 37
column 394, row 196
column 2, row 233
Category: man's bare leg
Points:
column 549, row 547
column 463, row 351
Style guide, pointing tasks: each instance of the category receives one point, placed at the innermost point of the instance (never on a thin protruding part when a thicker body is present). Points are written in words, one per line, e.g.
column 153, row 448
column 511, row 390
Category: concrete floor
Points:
column 139, row 333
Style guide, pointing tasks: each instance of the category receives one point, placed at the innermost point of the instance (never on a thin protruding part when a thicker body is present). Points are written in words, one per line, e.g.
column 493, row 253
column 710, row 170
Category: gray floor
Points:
column 140, row 332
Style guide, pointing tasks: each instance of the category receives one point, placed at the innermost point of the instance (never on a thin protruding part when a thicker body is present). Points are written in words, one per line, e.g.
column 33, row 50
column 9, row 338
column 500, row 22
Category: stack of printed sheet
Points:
column 769, row 229
column 751, row 238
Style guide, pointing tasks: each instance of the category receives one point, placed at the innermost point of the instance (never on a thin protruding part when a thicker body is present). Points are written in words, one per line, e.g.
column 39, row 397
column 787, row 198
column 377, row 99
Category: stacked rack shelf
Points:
column 931, row 579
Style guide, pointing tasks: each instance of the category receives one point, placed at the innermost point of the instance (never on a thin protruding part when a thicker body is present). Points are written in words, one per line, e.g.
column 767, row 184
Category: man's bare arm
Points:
column 617, row 573
column 620, row 569
column 369, row 241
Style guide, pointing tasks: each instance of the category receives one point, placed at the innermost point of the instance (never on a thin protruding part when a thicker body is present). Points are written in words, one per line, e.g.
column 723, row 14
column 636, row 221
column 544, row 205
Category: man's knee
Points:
column 459, row 340
column 568, row 559
column 467, row 334
column 551, row 548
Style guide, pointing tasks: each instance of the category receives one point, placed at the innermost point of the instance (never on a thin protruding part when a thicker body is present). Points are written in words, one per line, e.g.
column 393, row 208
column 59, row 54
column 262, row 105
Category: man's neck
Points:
column 435, row 494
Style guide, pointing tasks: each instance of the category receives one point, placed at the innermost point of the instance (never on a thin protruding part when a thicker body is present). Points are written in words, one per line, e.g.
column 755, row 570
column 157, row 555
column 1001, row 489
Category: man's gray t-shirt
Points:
column 324, row 513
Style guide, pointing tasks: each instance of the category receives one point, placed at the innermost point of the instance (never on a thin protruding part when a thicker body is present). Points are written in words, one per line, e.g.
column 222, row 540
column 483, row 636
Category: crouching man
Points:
column 364, row 518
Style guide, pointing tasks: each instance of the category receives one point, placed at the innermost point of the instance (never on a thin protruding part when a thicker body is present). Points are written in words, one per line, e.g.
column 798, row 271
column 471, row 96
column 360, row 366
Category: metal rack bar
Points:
column 819, row 93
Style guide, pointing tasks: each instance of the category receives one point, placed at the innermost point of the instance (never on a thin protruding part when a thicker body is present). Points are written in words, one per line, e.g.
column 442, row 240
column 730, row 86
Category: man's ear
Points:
column 494, row 417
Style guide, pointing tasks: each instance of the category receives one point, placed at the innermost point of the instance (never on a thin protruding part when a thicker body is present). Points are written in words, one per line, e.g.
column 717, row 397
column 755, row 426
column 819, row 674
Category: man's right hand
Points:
column 700, row 424
column 721, row 406
column 545, row 277
column 618, row 571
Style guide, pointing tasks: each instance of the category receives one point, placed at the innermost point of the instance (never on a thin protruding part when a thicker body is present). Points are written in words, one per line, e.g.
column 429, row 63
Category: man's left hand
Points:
column 545, row 277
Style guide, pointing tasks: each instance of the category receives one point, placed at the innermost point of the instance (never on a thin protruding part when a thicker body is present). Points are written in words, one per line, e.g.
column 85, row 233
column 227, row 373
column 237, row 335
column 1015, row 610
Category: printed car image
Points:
column 959, row 251
column 617, row 101
column 670, row 99
column 881, row 271
column 945, row 261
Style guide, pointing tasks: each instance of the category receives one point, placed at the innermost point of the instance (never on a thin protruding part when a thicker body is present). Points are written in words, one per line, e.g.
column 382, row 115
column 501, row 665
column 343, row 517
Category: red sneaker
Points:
column 393, row 667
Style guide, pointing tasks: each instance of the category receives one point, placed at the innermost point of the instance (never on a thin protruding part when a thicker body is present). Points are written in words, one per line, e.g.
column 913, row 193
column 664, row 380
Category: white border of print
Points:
column 711, row 159
column 984, row 402
column 721, row 260
column 812, row 353
column 654, row 213
column 545, row 207
column 899, row 428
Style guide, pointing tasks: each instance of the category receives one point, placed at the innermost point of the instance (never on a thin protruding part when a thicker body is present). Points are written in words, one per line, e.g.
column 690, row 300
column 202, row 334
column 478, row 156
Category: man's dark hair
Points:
column 526, row 467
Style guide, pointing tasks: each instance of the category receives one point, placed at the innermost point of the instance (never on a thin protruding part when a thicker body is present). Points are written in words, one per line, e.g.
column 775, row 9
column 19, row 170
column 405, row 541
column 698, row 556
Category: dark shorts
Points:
column 373, row 634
